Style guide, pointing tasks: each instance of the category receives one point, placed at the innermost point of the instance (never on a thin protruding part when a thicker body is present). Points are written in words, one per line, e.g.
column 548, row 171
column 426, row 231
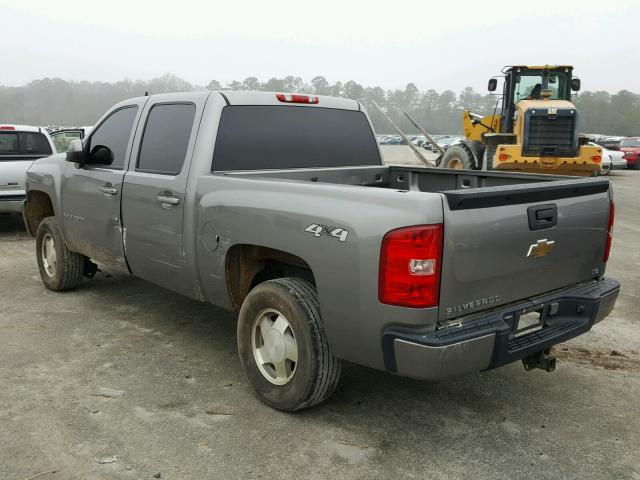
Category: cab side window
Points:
column 166, row 138
column 114, row 133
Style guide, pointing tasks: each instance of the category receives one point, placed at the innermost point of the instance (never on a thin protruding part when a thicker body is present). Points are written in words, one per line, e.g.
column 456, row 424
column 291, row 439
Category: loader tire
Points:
column 458, row 157
column 489, row 155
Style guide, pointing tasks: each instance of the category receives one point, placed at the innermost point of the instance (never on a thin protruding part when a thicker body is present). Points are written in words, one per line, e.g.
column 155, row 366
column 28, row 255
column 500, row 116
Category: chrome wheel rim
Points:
column 274, row 346
column 48, row 255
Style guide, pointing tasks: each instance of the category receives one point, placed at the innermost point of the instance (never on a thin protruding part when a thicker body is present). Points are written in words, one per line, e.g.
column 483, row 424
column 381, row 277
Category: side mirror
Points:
column 493, row 84
column 75, row 153
column 575, row 84
column 100, row 155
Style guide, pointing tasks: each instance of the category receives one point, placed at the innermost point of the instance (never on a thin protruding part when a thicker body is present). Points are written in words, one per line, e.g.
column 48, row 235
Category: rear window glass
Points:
column 630, row 142
column 166, row 137
column 272, row 137
column 24, row 143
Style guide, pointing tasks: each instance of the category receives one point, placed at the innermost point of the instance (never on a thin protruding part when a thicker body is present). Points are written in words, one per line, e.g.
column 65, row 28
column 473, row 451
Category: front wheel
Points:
column 60, row 268
column 283, row 347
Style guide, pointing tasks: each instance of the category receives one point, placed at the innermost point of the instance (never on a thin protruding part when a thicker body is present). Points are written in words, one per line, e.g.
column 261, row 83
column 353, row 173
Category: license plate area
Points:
column 528, row 321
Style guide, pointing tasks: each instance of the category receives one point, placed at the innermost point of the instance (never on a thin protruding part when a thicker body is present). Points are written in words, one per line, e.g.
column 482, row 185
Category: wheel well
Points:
column 38, row 207
column 249, row 265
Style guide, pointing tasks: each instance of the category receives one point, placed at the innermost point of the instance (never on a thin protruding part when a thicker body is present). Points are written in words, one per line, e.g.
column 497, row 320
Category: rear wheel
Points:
column 605, row 169
column 60, row 268
column 458, row 157
column 283, row 347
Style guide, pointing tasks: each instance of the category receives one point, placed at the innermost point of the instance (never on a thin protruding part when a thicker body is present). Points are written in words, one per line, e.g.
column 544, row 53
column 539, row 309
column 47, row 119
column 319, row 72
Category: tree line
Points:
column 53, row 101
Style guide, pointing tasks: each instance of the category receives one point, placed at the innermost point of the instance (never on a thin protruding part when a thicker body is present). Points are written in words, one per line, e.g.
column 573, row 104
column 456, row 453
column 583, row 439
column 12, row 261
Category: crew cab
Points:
column 20, row 145
column 279, row 206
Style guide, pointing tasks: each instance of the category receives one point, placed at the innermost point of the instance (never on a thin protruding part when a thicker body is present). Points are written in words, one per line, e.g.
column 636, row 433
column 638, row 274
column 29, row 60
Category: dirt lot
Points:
column 123, row 380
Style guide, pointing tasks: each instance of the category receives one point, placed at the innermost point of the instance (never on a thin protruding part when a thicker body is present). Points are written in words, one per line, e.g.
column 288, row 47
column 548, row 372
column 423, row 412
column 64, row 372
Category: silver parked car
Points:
column 611, row 159
column 20, row 145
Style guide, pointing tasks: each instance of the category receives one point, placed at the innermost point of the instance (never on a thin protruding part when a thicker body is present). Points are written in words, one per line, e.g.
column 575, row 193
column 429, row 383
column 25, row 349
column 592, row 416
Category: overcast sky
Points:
column 442, row 44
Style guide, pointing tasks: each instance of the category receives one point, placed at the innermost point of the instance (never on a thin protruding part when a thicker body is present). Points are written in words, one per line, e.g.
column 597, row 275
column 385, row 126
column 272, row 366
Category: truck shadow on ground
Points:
column 394, row 408
column 12, row 227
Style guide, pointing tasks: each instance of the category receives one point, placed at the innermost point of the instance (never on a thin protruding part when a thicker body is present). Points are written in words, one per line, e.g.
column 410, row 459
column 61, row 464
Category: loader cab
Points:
column 528, row 83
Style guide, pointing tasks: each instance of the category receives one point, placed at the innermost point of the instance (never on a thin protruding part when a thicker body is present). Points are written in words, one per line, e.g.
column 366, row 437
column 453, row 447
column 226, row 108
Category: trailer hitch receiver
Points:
column 541, row 360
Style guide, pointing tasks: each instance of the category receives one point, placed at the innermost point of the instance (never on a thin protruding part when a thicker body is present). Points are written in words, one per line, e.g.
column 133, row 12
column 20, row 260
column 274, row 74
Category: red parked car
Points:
column 631, row 148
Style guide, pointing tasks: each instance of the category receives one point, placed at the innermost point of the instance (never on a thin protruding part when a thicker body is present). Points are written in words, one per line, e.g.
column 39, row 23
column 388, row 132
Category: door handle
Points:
column 108, row 190
column 168, row 200
column 542, row 216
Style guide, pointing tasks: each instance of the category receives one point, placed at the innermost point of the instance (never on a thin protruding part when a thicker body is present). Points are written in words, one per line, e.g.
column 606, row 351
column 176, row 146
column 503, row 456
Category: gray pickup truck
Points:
column 279, row 206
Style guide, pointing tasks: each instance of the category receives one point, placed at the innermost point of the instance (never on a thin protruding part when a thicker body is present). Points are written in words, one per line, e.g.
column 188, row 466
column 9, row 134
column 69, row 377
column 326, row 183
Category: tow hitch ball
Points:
column 541, row 360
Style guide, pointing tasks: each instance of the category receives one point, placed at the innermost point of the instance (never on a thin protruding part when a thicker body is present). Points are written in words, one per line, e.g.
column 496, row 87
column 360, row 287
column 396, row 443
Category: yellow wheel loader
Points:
column 536, row 129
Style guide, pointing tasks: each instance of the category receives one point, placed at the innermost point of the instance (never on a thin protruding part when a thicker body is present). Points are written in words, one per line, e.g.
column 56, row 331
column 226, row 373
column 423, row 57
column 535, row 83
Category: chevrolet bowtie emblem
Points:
column 541, row 248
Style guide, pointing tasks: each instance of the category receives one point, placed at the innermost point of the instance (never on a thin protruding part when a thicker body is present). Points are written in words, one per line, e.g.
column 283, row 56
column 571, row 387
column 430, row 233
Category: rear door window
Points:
column 24, row 143
column 272, row 137
column 8, row 143
column 166, row 138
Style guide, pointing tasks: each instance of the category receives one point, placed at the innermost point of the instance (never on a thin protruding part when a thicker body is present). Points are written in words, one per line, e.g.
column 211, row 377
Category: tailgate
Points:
column 504, row 244
column 12, row 173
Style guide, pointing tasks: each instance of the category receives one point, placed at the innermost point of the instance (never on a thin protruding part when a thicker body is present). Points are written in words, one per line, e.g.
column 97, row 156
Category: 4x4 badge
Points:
column 541, row 248
column 317, row 230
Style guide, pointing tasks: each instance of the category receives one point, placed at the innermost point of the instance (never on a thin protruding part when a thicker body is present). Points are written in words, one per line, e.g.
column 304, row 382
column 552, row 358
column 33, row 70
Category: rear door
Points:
column 91, row 194
column 154, row 193
column 505, row 244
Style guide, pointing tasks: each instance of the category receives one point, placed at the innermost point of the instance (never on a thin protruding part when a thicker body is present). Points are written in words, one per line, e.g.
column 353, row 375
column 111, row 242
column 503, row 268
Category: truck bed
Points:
column 492, row 229
column 411, row 178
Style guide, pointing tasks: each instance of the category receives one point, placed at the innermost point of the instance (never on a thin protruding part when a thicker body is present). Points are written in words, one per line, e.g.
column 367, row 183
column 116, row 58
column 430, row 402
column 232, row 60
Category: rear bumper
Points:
column 488, row 341
column 582, row 164
column 619, row 165
column 11, row 203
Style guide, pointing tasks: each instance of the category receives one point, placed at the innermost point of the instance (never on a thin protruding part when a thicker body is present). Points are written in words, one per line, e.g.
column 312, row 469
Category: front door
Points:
column 153, row 202
column 91, row 193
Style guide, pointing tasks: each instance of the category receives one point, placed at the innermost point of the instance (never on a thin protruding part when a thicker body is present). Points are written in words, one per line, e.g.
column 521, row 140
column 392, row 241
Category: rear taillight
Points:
column 596, row 159
column 296, row 98
column 410, row 262
column 7, row 127
column 607, row 248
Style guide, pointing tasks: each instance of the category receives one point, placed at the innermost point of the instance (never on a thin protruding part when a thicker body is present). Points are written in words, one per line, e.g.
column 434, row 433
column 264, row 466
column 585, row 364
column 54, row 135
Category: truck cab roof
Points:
column 240, row 97
column 20, row 128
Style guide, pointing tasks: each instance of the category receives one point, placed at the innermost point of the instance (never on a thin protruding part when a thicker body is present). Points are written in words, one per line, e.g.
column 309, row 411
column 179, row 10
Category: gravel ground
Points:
column 123, row 380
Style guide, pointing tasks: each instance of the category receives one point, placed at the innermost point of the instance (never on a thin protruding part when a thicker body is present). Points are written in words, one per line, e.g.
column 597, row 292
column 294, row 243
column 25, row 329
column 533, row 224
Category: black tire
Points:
column 605, row 170
column 316, row 372
column 458, row 157
column 489, row 155
column 65, row 273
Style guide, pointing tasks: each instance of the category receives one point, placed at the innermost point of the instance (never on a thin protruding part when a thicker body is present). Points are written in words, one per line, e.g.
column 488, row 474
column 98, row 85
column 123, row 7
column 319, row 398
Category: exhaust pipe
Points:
column 541, row 360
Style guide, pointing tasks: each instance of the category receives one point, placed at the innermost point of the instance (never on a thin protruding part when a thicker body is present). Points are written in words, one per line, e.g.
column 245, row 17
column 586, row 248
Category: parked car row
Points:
column 628, row 146
column 611, row 160
column 443, row 141
column 618, row 152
